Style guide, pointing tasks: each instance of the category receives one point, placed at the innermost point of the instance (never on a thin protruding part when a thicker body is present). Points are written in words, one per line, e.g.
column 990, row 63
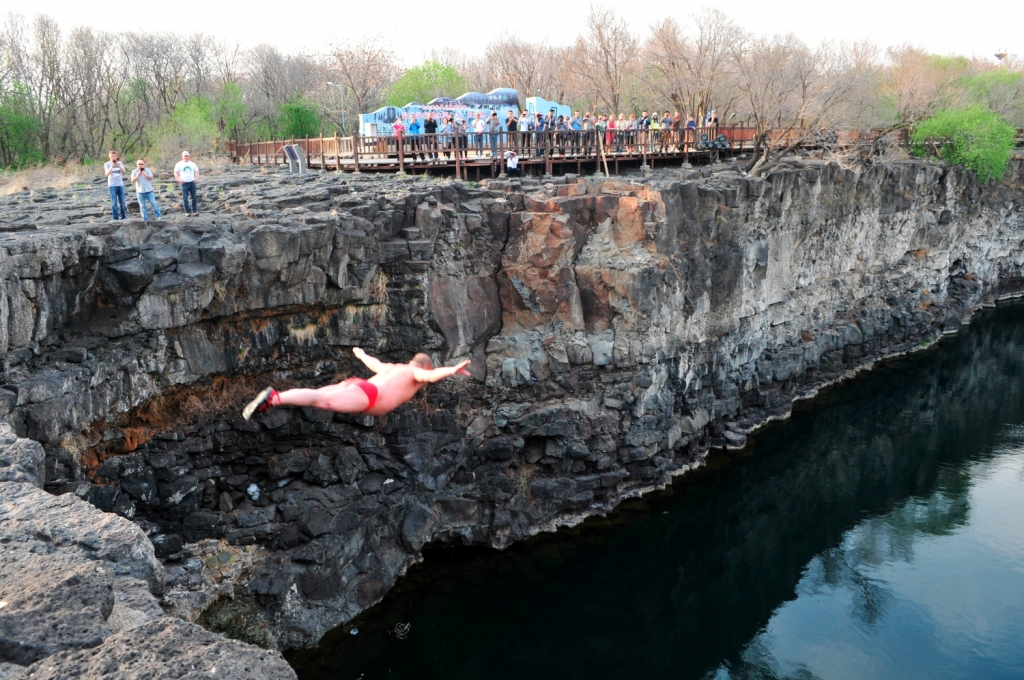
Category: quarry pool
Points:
column 879, row 533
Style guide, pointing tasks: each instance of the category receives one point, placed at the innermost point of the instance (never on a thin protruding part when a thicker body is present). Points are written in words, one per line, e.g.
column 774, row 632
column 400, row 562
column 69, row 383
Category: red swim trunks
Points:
column 368, row 388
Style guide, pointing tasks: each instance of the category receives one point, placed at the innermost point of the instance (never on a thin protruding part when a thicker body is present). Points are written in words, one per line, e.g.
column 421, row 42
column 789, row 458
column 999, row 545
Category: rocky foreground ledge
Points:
column 79, row 592
column 619, row 329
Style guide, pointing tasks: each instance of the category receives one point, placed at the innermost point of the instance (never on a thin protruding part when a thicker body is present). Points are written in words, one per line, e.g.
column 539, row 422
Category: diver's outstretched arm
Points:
column 436, row 374
column 374, row 365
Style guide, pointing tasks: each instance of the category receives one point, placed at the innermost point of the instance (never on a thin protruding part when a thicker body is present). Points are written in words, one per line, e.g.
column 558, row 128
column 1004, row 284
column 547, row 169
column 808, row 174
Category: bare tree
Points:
column 694, row 73
column 604, row 58
column 792, row 92
column 365, row 70
column 531, row 68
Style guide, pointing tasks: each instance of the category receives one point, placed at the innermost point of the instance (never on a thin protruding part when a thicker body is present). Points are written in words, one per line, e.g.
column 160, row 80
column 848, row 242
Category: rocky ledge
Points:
column 79, row 592
column 619, row 329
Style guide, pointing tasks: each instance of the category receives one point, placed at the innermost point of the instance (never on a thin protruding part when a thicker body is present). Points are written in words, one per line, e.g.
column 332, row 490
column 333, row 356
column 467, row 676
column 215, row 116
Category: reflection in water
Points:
column 877, row 534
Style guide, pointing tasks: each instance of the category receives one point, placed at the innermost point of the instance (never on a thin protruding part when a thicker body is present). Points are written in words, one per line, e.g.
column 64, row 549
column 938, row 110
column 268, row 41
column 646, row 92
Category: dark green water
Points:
column 879, row 533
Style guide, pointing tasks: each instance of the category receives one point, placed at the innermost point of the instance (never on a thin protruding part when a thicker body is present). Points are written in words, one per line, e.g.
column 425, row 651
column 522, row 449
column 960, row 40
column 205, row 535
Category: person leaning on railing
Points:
column 463, row 136
column 398, row 129
column 512, row 125
column 494, row 133
column 430, row 130
column 414, row 132
column 539, row 126
column 588, row 133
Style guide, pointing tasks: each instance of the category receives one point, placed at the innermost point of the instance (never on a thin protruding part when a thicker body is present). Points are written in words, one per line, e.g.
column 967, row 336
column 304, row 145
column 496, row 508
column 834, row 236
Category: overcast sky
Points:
column 414, row 27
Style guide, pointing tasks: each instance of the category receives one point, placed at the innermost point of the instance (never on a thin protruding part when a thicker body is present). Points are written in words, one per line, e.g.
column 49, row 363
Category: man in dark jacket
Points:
column 430, row 129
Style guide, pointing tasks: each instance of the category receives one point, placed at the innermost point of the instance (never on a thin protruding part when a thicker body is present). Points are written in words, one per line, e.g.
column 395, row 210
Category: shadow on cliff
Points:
column 678, row 584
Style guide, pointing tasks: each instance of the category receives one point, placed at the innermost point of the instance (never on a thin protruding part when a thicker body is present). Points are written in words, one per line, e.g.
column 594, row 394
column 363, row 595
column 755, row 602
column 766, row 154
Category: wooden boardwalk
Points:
column 549, row 151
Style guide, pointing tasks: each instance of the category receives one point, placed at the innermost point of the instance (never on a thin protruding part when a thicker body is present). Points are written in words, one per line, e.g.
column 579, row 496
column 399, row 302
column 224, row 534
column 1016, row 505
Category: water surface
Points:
column 879, row 533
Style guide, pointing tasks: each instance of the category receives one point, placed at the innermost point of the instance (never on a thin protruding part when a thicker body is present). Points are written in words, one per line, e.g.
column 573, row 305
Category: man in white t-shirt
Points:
column 187, row 174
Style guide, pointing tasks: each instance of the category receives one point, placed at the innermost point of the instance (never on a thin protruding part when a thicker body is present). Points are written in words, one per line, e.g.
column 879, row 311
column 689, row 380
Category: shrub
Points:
column 20, row 130
column 423, row 83
column 299, row 118
column 229, row 109
column 191, row 126
column 976, row 138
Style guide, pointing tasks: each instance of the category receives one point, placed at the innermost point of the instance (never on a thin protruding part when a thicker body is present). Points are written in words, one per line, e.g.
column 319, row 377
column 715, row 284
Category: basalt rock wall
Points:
column 618, row 329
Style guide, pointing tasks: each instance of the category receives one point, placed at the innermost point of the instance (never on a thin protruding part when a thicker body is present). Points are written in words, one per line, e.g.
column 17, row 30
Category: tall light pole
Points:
column 344, row 128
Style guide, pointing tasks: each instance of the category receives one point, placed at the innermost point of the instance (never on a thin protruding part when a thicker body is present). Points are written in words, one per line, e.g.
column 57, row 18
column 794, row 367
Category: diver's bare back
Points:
column 396, row 385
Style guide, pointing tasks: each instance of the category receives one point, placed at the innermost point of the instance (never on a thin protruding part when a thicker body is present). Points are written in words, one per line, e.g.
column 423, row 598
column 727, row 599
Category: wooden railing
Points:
column 462, row 150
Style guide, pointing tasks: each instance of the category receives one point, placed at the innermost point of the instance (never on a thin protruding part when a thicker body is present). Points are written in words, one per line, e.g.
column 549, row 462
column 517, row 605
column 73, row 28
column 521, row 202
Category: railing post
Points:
column 355, row 152
column 456, row 138
column 400, row 142
column 547, row 151
column 337, row 153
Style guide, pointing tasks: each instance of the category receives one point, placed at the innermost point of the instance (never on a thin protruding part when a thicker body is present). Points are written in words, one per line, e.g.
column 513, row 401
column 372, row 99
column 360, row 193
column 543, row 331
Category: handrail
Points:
column 461, row 149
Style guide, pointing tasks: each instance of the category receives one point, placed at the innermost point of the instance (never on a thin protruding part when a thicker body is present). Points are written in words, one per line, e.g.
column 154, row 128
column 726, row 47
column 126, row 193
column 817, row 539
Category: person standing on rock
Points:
column 187, row 174
column 114, row 170
column 392, row 386
column 142, row 178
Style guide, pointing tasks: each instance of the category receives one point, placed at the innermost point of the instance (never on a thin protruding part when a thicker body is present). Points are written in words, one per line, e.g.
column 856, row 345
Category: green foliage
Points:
column 229, row 110
column 977, row 138
column 299, row 118
column 192, row 126
column 19, row 129
column 1000, row 90
column 423, row 83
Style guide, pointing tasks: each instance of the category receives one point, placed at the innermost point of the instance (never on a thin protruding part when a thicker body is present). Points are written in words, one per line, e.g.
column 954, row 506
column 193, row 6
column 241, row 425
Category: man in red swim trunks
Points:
column 392, row 386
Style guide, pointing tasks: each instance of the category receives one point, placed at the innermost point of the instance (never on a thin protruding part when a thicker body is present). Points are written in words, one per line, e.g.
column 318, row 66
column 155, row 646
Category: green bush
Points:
column 423, row 83
column 229, row 109
column 192, row 126
column 976, row 138
column 19, row 130
column 299, row 118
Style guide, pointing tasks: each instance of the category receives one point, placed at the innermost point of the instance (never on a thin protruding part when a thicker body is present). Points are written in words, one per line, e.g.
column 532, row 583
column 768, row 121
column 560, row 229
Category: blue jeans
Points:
column 188, row 189
column 117, row 197
column 143, row 198
column 495, row 141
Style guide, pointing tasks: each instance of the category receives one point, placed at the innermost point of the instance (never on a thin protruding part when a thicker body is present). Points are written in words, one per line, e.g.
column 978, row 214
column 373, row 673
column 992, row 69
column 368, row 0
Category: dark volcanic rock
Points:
column 618, row 329
column 77, row 596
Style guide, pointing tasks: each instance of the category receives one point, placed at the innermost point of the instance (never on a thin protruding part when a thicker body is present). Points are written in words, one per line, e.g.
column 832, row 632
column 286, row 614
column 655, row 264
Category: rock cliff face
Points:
column 618, row 329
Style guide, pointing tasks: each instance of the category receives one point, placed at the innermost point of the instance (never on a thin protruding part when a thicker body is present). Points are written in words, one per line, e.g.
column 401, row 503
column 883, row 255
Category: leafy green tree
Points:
column 192, row 125
column 229, row 110
column 299, row 118
column 977, row 138
column 1000, row 90
column 423, row 83
column 20, row 130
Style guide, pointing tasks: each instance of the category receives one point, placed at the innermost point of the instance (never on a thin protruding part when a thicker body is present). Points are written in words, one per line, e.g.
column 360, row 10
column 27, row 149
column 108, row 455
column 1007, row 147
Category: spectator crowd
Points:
column 427, row 137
